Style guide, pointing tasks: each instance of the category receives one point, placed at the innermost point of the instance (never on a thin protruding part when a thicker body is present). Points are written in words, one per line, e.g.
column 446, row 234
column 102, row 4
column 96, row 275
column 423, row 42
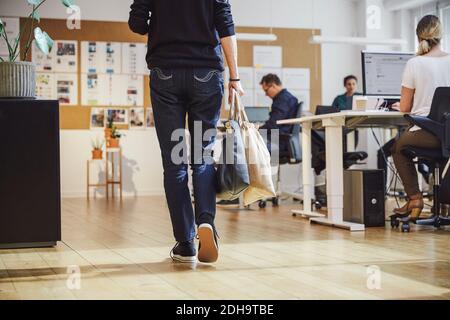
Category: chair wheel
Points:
column 275, row 202
column 317, row 205
column 406, row 228
column 294, row 214
column 262, row 204
column 394, row 222
column 437, row 224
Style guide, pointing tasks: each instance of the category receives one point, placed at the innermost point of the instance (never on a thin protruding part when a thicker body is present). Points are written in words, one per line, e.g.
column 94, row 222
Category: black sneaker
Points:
column 208, row 248
column 228, row 203
column 184, row 252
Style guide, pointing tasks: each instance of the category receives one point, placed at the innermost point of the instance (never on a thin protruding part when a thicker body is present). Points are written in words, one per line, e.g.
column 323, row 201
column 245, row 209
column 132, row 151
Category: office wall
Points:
column 333, row 17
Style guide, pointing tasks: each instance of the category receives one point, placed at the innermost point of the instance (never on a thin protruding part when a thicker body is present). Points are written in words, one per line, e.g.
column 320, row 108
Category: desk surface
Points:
column 354, row 119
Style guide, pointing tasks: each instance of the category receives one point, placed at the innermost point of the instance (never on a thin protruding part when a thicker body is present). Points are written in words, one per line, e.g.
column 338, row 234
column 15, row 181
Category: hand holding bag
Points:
column 232, row 172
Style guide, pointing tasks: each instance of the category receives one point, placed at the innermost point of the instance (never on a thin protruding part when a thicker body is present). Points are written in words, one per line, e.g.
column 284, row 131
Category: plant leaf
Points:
column 2, row 26
column 36, row 16
column 50, row 41
column 68, row 3
column 41, row 40
column 34, row 2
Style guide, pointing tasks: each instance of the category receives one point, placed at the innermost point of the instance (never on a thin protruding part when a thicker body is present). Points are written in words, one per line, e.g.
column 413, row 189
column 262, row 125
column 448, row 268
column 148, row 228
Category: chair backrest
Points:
column 440, row 105
column 295, row 149
column 297, row 127
column 446, row 142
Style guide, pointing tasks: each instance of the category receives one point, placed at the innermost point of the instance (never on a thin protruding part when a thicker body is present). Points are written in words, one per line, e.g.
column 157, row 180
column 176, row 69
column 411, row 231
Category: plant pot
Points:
column 17, row 80
column 113, row 143
column 97, row 154
column 108, row 132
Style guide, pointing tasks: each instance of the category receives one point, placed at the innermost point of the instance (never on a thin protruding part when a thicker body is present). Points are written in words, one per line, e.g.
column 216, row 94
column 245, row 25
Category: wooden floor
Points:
column 123, row 249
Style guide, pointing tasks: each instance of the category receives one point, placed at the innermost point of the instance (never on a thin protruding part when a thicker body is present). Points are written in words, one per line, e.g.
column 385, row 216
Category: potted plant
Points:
column 17, row 75
column 109, row 128
column 97, row 149
column 114, row 140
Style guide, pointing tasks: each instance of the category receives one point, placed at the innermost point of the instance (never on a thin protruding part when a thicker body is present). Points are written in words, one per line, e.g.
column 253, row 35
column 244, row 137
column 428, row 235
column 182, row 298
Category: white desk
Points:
column 333, row 125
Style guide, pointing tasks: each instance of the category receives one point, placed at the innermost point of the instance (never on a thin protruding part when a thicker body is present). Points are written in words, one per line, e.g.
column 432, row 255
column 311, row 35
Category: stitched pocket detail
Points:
column 161, row 74
column 208, row 77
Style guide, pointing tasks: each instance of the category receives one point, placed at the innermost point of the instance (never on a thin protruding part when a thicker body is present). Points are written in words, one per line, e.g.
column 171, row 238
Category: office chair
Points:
column 438, row 124
column 291, row 156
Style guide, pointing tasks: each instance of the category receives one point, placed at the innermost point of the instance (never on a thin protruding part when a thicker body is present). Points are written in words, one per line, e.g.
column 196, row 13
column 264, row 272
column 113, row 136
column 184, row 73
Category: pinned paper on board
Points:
column 43, row 62
column 267, row 56
column 45, row 84
column 62, row 58
column 65, row 55
column 137, row 118
column 91, row 90
column 57, row 86
column 296, row 78
column 92, row 57
column 261, row 72
column 112, row 90
column 101, row 57
column 97, row 121
column 303, row 96
column 119, row 116
column 261, row 100
column 246, row 75
column 134, row 85
column 66, row 88
column 133, row 58
column 113, row 57
column 248, row 100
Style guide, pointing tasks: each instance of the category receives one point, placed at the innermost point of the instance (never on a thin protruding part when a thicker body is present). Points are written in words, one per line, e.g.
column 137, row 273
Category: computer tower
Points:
column 364, row 192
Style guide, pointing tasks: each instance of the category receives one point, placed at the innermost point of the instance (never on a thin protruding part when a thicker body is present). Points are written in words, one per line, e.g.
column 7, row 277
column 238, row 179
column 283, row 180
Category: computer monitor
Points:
column 383, row 72
column 258, row 114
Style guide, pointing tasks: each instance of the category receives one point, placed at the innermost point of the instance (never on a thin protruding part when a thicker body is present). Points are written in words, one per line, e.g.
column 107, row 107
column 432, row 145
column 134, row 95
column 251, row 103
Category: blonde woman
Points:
column 422, row 76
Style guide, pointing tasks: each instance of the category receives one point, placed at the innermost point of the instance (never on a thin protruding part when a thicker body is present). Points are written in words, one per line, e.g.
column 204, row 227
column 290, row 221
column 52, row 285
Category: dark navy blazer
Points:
column 285, row 106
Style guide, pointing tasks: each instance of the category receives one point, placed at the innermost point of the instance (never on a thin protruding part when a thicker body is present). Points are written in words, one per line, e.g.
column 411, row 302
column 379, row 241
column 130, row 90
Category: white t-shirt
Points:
column 425, row 74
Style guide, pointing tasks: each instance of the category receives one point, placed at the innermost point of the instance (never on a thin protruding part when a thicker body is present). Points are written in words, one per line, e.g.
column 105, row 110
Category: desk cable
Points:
column 395, row 177
column 383, row 106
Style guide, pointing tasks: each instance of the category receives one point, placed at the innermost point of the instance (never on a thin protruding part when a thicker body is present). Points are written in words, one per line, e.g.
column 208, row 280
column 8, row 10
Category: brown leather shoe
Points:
column 413, row 208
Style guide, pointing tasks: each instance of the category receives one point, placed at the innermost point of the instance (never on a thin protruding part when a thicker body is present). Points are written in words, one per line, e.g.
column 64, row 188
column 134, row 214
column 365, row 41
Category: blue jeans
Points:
column 197, row 94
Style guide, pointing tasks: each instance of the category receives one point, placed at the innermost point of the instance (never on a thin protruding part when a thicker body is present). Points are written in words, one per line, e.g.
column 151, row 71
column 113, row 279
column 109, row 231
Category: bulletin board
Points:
column 297, row 53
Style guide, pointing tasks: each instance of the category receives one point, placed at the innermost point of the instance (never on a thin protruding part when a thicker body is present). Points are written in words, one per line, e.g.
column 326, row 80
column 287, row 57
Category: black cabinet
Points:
column 30, row 197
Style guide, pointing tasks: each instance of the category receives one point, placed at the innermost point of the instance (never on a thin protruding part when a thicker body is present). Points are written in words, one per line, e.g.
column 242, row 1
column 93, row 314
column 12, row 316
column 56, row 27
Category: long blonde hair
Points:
column 429, row 32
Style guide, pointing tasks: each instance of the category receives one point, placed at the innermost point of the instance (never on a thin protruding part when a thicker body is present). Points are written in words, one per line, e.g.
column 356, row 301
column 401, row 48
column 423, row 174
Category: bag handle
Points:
column 232, row 113
column 241, row 109
column 237, row 111
column 235, row 107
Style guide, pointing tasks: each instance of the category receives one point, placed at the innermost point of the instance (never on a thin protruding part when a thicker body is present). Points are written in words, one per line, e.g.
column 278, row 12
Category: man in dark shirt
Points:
column 284, row 106
column 185, row 42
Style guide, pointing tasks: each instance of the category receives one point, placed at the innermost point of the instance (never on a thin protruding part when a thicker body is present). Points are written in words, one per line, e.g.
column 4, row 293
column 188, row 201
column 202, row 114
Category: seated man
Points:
column 284, row 106
column 345, row 101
